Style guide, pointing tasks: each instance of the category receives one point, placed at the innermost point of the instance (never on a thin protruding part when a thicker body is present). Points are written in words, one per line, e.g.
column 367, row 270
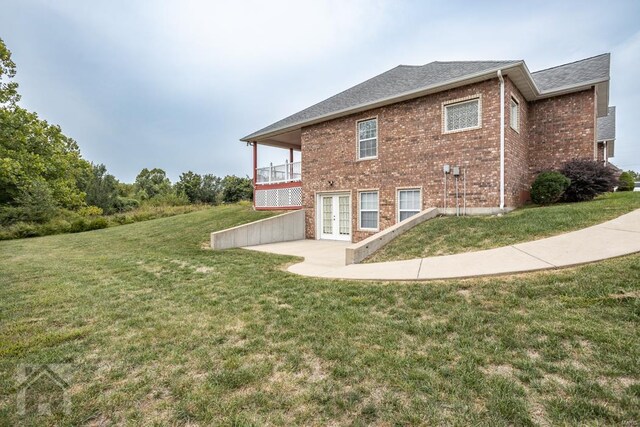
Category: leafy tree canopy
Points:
column 101, row 188
column 8, row 89
column 236, row 189
column 32, row 150
column 152, row 183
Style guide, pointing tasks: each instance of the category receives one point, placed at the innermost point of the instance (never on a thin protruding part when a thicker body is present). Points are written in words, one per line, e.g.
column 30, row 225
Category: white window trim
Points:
column 445, row 104
column 514, row 100
column 360, row 228
column 377, row 138
column 398, row 190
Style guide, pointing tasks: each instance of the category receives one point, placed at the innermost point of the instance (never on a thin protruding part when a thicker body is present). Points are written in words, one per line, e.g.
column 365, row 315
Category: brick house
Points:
column 466, row 137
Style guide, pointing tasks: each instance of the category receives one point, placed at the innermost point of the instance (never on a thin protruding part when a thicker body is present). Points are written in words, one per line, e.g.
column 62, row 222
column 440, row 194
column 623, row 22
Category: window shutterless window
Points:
column 408, row 203
column 515, row 115
column 462, row 115
column 368, row 210
column 368, row 139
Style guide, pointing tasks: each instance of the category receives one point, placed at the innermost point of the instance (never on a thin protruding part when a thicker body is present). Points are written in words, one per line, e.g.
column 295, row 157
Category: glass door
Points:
column 335, row 217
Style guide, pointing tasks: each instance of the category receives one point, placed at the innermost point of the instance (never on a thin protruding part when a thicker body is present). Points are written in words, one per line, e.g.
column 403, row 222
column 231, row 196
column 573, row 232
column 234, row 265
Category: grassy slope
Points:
column 450, row 235
column 158, row 330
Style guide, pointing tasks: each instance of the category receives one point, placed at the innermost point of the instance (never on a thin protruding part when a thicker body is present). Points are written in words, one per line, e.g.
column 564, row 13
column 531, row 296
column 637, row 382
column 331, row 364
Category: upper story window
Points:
column 368, row 139
column 462, row 115
column 514, row 117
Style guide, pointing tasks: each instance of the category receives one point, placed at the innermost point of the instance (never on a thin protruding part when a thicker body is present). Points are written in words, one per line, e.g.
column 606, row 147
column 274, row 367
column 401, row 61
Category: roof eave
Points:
column 602, row 85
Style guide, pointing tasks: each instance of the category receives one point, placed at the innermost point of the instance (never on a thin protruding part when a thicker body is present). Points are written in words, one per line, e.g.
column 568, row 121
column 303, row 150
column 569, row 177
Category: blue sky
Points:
column 175, row 84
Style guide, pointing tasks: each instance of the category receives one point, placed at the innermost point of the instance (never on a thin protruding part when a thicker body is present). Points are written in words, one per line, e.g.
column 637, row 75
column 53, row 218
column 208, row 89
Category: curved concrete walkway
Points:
column 324, row 258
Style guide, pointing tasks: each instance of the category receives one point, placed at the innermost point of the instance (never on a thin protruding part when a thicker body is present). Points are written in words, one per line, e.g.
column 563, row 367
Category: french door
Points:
column 335, row 216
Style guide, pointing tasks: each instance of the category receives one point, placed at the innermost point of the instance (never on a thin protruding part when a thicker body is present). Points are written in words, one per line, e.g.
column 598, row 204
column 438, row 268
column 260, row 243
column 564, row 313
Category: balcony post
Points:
column 255, row 163
column 290, row 168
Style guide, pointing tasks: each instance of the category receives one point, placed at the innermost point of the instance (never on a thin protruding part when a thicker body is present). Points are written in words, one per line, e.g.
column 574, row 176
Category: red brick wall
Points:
column 561, row 128
column 411, row 151
column 516, row 152
column 600, row 152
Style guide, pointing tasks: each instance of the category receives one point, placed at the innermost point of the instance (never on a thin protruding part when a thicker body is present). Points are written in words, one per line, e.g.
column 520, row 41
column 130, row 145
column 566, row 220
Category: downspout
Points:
column 501, row 139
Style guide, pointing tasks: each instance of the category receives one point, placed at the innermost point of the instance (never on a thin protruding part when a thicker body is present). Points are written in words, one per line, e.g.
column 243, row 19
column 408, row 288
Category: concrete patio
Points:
column 324, row 258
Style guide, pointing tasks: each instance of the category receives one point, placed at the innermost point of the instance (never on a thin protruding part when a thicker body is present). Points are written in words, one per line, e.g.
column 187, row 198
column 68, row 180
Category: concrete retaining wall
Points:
column 359, row 251
column 281, row 228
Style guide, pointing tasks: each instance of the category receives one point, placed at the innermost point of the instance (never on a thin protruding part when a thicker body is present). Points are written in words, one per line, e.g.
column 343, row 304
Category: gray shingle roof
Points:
column 408, row 78
column 607, row 126
column 587, row 70
column 398, row 80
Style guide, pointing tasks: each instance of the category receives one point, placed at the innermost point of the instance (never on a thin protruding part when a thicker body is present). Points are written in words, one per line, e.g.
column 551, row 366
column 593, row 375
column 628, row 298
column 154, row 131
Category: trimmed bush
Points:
column 626, row 182
column 588, row 179
column 549, row 187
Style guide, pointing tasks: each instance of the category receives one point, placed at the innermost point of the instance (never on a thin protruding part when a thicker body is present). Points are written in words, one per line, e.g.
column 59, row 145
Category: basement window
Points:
column 368, row 214
column 464, row 115
column 368, row 139
column 408, row 203
column 514, row 117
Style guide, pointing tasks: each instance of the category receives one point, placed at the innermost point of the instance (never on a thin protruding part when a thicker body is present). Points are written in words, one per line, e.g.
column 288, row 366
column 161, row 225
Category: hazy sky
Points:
column 175, row 84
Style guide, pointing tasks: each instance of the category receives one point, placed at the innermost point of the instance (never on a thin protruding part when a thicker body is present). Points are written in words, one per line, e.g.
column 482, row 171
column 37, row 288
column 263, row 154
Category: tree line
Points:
column 43, row 173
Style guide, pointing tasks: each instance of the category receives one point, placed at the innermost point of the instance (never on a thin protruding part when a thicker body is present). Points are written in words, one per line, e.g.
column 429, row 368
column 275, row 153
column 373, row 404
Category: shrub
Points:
column 55, row 226
column 78, row 225
column 626, row 182
column 97, row 223
column 24, row 229
column 168, row 199
column 90, row 211
column 10, row 214
column 125, row 204
column 588, row 179
column 548, row 187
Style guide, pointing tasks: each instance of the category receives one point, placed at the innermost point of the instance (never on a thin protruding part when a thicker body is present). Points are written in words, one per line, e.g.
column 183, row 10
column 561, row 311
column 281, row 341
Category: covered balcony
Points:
column 278, row 186
column 278, row 174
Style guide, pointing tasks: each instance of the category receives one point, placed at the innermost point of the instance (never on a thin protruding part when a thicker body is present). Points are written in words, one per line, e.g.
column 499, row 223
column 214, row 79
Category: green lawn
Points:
column 451, row 235
column 159, row 331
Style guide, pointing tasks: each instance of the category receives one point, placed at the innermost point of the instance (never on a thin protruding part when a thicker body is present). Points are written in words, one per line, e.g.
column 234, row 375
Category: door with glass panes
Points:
column 335, row 216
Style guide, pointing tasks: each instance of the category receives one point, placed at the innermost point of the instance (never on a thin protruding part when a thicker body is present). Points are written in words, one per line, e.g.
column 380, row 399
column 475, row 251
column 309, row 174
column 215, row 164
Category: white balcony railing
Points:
column 275, row 174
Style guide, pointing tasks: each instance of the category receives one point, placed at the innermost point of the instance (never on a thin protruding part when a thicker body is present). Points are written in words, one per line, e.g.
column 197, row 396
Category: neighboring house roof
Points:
column 607, row 126
column 406, row 82
column 606, row 131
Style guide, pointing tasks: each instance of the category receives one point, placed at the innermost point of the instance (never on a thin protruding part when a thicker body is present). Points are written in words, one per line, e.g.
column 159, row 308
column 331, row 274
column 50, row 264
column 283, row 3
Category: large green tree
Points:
column 200, row 188
column 236, row 189
column 32, row 150
column 101, row 188
column 37, row 161
column 211, row 189
column 8, row 88
column 151, row 183
column 190, row 184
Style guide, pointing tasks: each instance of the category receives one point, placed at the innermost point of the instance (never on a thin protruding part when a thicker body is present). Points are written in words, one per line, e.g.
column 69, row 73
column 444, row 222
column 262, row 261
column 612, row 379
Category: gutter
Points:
column 501, row 139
